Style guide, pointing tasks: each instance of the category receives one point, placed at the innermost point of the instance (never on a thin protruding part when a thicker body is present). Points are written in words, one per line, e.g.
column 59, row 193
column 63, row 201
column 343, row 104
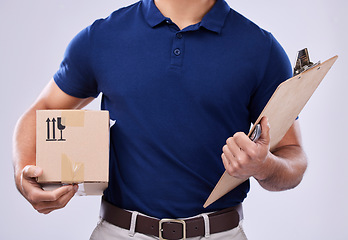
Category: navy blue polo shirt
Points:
column 176, row 96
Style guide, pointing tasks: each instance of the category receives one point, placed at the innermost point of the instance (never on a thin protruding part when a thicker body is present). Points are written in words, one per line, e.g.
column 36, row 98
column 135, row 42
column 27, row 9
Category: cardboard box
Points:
column 72, row 146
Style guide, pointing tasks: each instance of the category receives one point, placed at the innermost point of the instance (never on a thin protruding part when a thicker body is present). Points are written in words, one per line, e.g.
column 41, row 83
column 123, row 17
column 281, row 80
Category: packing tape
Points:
column 74, row 118
column 81, row 191
column 72, row 172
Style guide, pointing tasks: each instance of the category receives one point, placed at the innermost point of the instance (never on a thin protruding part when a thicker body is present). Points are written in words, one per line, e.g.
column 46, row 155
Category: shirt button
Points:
column 179, row 35
column 177, row 52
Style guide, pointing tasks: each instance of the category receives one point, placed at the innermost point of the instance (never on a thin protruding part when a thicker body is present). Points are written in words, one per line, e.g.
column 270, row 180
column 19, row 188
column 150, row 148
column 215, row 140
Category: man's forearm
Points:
column 24, row 151
column 284, row 168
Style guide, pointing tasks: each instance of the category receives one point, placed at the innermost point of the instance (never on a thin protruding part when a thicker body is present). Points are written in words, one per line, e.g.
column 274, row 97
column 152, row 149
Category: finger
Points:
column 227, row 152
column 48, row 206
column 51, row 196
column 231, row 167
column 265, row 137
column 31, row 171
column 35, row 194
column 46, row 211
column 233, row 146
column 227, row 164
column 250, row 148
column 243, row 141
column 27, row 181
column 237, row 147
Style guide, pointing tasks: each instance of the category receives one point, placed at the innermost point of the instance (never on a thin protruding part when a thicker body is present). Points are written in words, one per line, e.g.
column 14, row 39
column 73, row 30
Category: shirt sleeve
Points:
column 75, row 74
column 277, row 70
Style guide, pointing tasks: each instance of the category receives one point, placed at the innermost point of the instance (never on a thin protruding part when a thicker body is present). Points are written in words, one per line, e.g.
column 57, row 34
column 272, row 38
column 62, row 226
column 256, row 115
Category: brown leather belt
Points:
column 172, row 228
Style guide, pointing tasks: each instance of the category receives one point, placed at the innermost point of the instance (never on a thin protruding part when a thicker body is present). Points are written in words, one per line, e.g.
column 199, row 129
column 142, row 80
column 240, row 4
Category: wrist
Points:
column 266, row 168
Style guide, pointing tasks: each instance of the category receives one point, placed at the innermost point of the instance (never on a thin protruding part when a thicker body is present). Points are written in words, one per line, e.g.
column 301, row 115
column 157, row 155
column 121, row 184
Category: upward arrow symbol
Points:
column 48, row 130
column 54, row 129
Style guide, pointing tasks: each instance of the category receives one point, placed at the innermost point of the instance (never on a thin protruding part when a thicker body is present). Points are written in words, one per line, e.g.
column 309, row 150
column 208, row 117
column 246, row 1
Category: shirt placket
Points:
column 177, row 54
column 178, row 46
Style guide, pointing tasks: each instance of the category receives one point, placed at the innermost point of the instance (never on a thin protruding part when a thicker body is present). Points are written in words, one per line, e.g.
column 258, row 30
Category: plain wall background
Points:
column 34, row 35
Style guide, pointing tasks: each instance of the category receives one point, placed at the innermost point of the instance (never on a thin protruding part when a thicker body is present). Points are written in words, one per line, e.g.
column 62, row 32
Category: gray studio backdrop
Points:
column 34, row 35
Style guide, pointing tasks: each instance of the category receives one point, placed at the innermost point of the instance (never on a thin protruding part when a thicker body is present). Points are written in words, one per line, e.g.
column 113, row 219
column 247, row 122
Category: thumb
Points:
column 31, row 171
column 265, row 128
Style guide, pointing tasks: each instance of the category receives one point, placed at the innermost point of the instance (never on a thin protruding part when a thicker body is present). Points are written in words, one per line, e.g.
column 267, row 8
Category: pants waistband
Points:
column 219, row 221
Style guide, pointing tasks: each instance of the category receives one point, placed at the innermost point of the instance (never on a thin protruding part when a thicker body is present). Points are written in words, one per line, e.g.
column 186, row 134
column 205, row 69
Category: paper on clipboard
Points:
column 281, row 110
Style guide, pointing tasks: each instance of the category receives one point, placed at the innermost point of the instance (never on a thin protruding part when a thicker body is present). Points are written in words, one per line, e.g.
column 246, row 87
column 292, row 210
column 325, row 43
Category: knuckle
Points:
column 44, row 211
column 54, row 196
column 237, row 134
column 64, row 204
column 238, row 167
column 239, row 164
column 230, row 170
column 252, row 153
column 39, row 210
column 32, row 198
column 225, row 162
column 37, row 207
column 61, row 203
column 26, row 169
column 239, row 160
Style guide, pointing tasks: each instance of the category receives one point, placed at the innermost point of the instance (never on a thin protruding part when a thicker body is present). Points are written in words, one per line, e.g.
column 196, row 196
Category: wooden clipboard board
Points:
column 284, row 106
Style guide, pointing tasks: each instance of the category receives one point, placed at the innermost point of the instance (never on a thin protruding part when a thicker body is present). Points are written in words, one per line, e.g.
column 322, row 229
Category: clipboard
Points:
column 282, row 109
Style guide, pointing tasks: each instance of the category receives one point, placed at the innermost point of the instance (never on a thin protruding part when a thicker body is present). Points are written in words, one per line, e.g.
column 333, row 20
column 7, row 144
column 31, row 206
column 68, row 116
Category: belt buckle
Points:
column 166, row 220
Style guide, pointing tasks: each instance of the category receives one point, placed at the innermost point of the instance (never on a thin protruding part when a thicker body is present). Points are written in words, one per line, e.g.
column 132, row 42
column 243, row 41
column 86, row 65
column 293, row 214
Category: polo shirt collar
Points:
column 151, row 13
column 213, row 20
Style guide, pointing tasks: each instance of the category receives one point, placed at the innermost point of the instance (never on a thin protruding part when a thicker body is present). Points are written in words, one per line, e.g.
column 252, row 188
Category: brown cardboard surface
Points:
column 281, row 110
column 72, row 146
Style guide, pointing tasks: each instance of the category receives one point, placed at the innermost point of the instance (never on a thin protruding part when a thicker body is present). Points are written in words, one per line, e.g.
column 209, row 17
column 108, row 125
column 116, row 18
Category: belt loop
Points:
column 133, row 223
column 206, row 225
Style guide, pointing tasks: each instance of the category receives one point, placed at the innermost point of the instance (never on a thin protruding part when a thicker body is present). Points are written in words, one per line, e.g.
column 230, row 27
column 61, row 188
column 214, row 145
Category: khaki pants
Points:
column 107, row 231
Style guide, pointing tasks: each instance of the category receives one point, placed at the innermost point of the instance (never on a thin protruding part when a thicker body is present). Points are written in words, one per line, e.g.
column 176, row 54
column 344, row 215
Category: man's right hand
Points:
column 43, row 201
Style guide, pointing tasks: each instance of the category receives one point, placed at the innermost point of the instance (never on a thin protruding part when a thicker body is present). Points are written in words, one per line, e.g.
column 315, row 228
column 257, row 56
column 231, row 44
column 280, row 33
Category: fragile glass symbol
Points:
column 60, row 127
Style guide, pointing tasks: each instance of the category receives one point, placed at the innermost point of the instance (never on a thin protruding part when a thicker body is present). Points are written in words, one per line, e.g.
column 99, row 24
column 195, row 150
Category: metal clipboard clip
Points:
column 303, row 62
column 255, row 135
